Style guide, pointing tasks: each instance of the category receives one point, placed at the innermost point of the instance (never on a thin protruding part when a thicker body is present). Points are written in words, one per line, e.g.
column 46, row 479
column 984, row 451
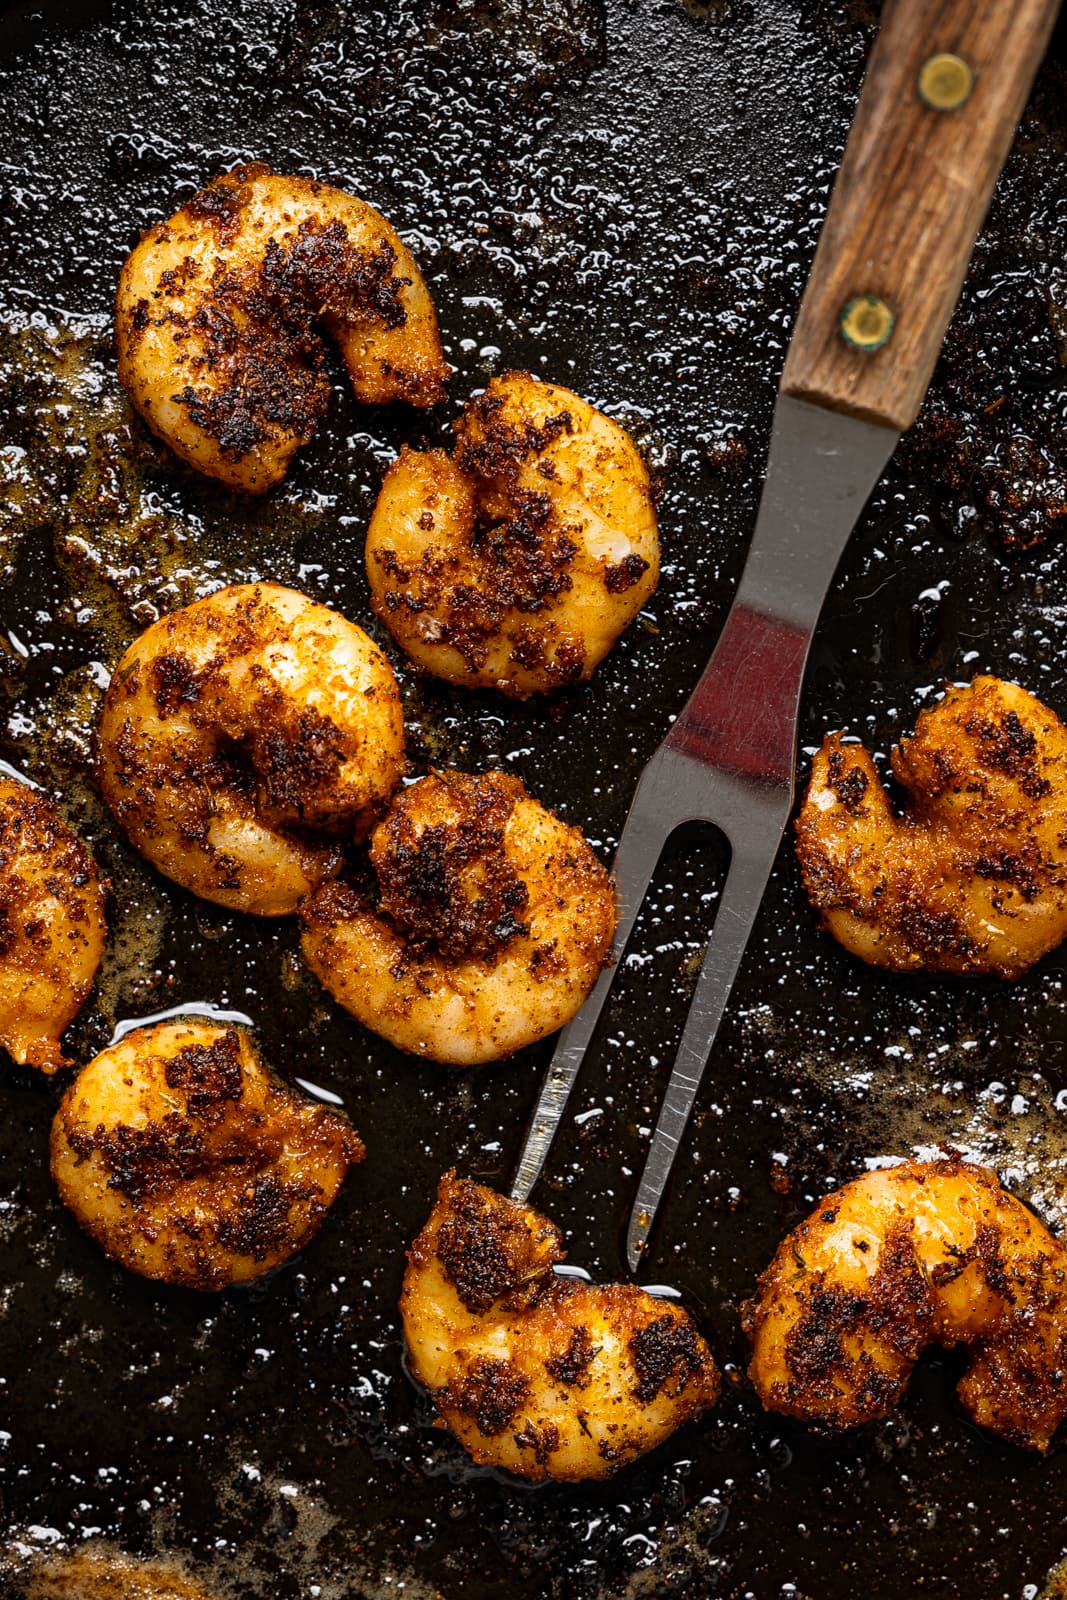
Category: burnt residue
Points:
column 848, row 782
column 624, row 574
column 149, row 1162
column 208, row 1075
column 634, row 189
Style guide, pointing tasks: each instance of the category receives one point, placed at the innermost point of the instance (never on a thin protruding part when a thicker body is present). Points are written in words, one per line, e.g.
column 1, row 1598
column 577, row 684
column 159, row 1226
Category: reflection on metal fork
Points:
column 729, row 759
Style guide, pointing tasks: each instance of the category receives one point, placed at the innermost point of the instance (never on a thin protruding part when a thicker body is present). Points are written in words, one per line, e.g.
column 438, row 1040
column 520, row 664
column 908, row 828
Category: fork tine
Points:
column 741, row 896
column 635, row 861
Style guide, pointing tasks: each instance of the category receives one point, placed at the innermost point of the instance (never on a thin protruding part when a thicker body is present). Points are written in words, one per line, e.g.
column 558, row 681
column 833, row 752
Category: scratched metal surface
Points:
column 624, row 197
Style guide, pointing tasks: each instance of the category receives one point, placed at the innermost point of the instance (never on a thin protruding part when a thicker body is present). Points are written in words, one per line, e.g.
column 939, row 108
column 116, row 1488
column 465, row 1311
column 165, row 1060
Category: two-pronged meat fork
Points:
column 945, row 87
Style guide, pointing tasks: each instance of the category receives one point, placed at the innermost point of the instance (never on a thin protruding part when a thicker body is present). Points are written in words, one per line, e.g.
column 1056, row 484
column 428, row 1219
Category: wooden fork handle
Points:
column 913, row 189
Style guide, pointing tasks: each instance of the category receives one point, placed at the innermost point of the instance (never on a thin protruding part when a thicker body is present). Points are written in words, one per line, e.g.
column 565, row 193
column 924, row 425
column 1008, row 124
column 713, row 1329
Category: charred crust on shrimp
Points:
column 665, row 1352
column 491, row 1392
column 971, row 877
column 490, row 1252
column 423, row 873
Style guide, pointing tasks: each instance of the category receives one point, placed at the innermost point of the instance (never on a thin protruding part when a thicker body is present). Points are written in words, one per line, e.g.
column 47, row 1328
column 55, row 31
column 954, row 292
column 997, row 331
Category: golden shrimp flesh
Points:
column 52, row 928
column 488, row 925
column 218, row 315
column 927, row 1253
column 516, row 563
column 91, row 1575
column 189, row 1162
column 972, row 876
column 549, row 1377
column 242, row 737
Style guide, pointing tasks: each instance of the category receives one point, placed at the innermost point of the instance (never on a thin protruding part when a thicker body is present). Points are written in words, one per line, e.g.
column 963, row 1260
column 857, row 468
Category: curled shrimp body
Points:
column 218, row 312
column 189, row 1162
column 972, row 877
column 927, row 1253
column 489, row 925
column 547, row 1376
column 242, row 736
column 516, row 563
column 52, row 928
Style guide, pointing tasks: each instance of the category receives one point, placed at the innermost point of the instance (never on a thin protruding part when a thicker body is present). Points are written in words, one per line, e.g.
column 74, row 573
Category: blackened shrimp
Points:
column 516, row 563
column 52, row 928
column 972, row 877
column 927, row 1253
column 218, row 315
column 243, row 736
column 189, row 1162
column 489, row 926
column 93, row 1575
column 546, row 1376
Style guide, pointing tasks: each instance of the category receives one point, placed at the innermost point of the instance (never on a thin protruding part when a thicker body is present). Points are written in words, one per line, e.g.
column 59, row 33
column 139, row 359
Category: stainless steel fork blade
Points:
column 729, row 758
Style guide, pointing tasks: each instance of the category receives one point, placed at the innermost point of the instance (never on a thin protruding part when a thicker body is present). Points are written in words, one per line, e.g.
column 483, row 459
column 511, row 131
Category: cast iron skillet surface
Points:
column 624, row 198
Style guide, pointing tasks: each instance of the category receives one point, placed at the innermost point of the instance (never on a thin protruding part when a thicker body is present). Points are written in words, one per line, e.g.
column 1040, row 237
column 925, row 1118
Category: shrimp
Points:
column 52, row 927
column 242, row 737
column 189, row 1162
column 217, row 315
column 930, row 1252
column 546, row 1376
column 972, row 878
column 89, row 1575
column 491, row 922
column 516, row 563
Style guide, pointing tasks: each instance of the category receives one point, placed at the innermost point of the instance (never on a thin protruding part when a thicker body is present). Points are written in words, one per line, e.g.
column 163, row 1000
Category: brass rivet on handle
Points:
column 866, row 322
column 945, row 82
